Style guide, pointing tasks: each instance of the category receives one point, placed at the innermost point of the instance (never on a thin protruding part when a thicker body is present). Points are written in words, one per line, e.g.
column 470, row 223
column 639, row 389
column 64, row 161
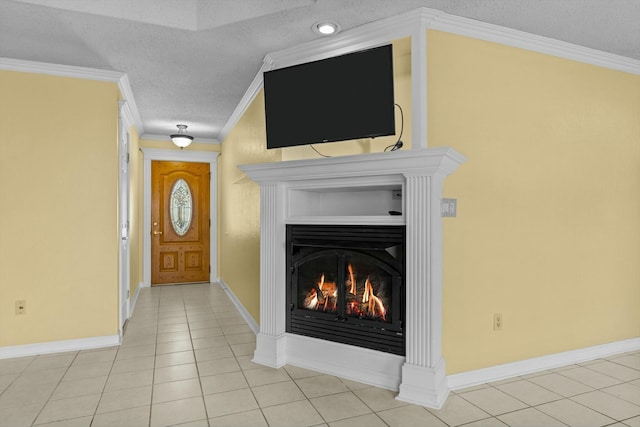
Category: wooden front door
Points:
column 180, row 226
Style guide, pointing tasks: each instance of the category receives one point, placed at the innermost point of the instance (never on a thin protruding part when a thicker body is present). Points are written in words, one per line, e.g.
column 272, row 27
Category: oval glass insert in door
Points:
column 181, row 207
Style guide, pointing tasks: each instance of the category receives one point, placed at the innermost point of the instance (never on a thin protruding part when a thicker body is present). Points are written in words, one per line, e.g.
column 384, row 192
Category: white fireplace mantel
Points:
column 360, row 189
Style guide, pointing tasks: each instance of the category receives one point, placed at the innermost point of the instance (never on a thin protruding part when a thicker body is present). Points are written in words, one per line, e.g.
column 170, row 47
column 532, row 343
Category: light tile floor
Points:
column 186, row 360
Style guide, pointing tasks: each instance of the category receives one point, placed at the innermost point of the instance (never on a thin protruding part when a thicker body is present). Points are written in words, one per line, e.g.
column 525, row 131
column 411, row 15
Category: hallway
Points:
column 186, row 360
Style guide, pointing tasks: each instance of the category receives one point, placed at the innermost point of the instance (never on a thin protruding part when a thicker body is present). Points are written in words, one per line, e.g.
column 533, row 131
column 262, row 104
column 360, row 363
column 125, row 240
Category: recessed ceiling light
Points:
column 325, row 28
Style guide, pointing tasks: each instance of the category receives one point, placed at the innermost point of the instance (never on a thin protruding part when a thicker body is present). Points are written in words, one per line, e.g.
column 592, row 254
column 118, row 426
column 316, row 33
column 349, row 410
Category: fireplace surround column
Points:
column 423, row 373
column 270, row 342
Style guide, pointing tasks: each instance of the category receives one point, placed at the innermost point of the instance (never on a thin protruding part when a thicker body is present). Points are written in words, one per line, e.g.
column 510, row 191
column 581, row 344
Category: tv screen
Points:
column 334, row 99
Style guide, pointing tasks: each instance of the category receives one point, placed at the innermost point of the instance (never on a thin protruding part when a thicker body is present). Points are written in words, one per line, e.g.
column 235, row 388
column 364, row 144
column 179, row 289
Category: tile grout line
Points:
column 95, row 411
column 155, row 349
column 54, row 389
column 195, row 361
column 374, row 412
column 490, row 385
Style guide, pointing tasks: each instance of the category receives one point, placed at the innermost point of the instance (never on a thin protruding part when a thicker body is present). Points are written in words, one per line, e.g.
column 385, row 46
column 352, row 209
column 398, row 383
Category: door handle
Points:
column 156, row 232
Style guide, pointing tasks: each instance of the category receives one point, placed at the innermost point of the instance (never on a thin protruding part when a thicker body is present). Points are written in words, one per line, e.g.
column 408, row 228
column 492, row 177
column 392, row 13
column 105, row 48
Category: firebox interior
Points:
column 345, row 284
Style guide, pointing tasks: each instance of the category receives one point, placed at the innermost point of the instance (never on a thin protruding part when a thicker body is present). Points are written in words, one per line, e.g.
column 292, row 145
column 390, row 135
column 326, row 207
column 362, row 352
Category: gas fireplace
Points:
column 345, row 284
column 337, row 267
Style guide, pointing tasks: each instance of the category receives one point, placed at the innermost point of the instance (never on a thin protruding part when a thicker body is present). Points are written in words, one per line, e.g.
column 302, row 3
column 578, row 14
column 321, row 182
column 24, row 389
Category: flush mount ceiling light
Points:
column 181, row 139
column 325, row 28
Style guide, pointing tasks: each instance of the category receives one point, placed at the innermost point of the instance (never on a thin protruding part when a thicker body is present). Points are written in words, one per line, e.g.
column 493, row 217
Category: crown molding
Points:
column 126, row 115
column 72, row 71
column 132, row 107
column 520, row 39
column 24, row 66
column 155, row 137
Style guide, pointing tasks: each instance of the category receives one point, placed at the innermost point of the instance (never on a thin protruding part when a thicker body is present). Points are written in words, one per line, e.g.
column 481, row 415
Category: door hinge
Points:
column 209, row 269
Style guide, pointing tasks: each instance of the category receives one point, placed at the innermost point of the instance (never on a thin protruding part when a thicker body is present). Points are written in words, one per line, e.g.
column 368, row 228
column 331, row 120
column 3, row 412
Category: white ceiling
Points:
column 191, row 61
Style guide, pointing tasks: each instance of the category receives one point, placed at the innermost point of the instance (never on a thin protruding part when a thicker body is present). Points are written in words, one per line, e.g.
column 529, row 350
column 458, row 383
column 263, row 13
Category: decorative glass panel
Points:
column 181, row 207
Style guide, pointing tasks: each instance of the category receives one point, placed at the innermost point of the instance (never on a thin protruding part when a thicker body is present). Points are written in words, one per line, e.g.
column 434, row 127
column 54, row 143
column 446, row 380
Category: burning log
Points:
column 311, row 300
column 323, row 296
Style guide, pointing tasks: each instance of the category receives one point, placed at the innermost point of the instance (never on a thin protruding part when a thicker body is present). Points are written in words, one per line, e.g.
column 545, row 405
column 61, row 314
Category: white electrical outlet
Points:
column 497, row 322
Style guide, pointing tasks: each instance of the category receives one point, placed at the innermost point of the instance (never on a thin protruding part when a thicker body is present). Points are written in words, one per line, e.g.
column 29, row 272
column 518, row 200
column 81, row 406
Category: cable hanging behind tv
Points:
column 334, row 99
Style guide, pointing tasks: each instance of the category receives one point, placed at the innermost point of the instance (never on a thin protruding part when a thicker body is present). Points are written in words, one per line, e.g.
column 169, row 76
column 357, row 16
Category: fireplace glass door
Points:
column 345, row 285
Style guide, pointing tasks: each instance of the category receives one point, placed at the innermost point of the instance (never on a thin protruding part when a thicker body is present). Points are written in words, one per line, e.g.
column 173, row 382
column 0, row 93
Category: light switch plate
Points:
column 448, row 207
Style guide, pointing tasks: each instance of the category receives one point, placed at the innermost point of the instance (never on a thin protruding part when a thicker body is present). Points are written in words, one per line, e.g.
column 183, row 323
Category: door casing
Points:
column 124, row 211
column 210, row 157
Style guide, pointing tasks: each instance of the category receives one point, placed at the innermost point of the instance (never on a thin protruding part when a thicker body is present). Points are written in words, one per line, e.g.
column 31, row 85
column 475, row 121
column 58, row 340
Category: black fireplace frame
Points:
column 371, row 241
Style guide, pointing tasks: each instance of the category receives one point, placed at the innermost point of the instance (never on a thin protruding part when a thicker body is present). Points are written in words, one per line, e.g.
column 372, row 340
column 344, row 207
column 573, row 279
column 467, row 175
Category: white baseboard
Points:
column 59, row 346
column 542, row 363
column 135, row 297
column 243, row 311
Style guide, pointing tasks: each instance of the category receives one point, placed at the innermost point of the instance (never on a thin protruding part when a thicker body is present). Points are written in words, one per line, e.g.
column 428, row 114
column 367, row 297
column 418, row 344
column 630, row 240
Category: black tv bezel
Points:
column 334, row 138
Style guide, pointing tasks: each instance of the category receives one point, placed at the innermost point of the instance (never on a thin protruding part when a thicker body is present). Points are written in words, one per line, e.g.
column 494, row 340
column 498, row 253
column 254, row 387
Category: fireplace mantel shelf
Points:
column 401, row 162
column 360, row 189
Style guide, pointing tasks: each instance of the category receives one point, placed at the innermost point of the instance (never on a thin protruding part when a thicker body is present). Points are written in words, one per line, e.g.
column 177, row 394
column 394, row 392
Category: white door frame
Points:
column 211, row 157
column 124, row 210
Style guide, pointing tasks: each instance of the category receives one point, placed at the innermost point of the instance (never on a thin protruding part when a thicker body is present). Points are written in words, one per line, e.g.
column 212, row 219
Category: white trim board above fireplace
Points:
column 352, row 190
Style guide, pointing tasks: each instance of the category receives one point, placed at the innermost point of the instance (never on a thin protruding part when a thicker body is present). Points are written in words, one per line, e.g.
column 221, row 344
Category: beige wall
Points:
column 239, row 206
column 58, row 208
column 548, row 229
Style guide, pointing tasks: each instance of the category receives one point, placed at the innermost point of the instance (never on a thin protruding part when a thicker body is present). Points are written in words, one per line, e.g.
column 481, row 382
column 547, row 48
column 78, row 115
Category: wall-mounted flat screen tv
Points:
column 334, row 99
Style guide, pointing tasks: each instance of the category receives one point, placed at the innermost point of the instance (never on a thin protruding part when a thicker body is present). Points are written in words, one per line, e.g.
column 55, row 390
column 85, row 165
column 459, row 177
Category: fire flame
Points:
column 375, row 305
column 324, row 297
column 353, row 289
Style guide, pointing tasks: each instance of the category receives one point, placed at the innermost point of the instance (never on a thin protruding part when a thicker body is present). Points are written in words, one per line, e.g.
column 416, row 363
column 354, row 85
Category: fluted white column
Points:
column 270, row 343
column 423, row 374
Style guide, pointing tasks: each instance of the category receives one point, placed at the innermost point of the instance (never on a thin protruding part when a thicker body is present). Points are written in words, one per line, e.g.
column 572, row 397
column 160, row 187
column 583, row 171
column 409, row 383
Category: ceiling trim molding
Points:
column 156, row 137
column 125, row 115
column 520, row 39
column 23, row 66
column 127, row 96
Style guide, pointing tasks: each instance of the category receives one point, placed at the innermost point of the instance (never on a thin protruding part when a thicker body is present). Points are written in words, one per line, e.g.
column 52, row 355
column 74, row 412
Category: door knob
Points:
column 157, row 232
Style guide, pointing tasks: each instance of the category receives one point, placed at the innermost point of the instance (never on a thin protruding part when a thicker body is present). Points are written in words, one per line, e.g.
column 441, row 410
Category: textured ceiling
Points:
column 191, row 61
